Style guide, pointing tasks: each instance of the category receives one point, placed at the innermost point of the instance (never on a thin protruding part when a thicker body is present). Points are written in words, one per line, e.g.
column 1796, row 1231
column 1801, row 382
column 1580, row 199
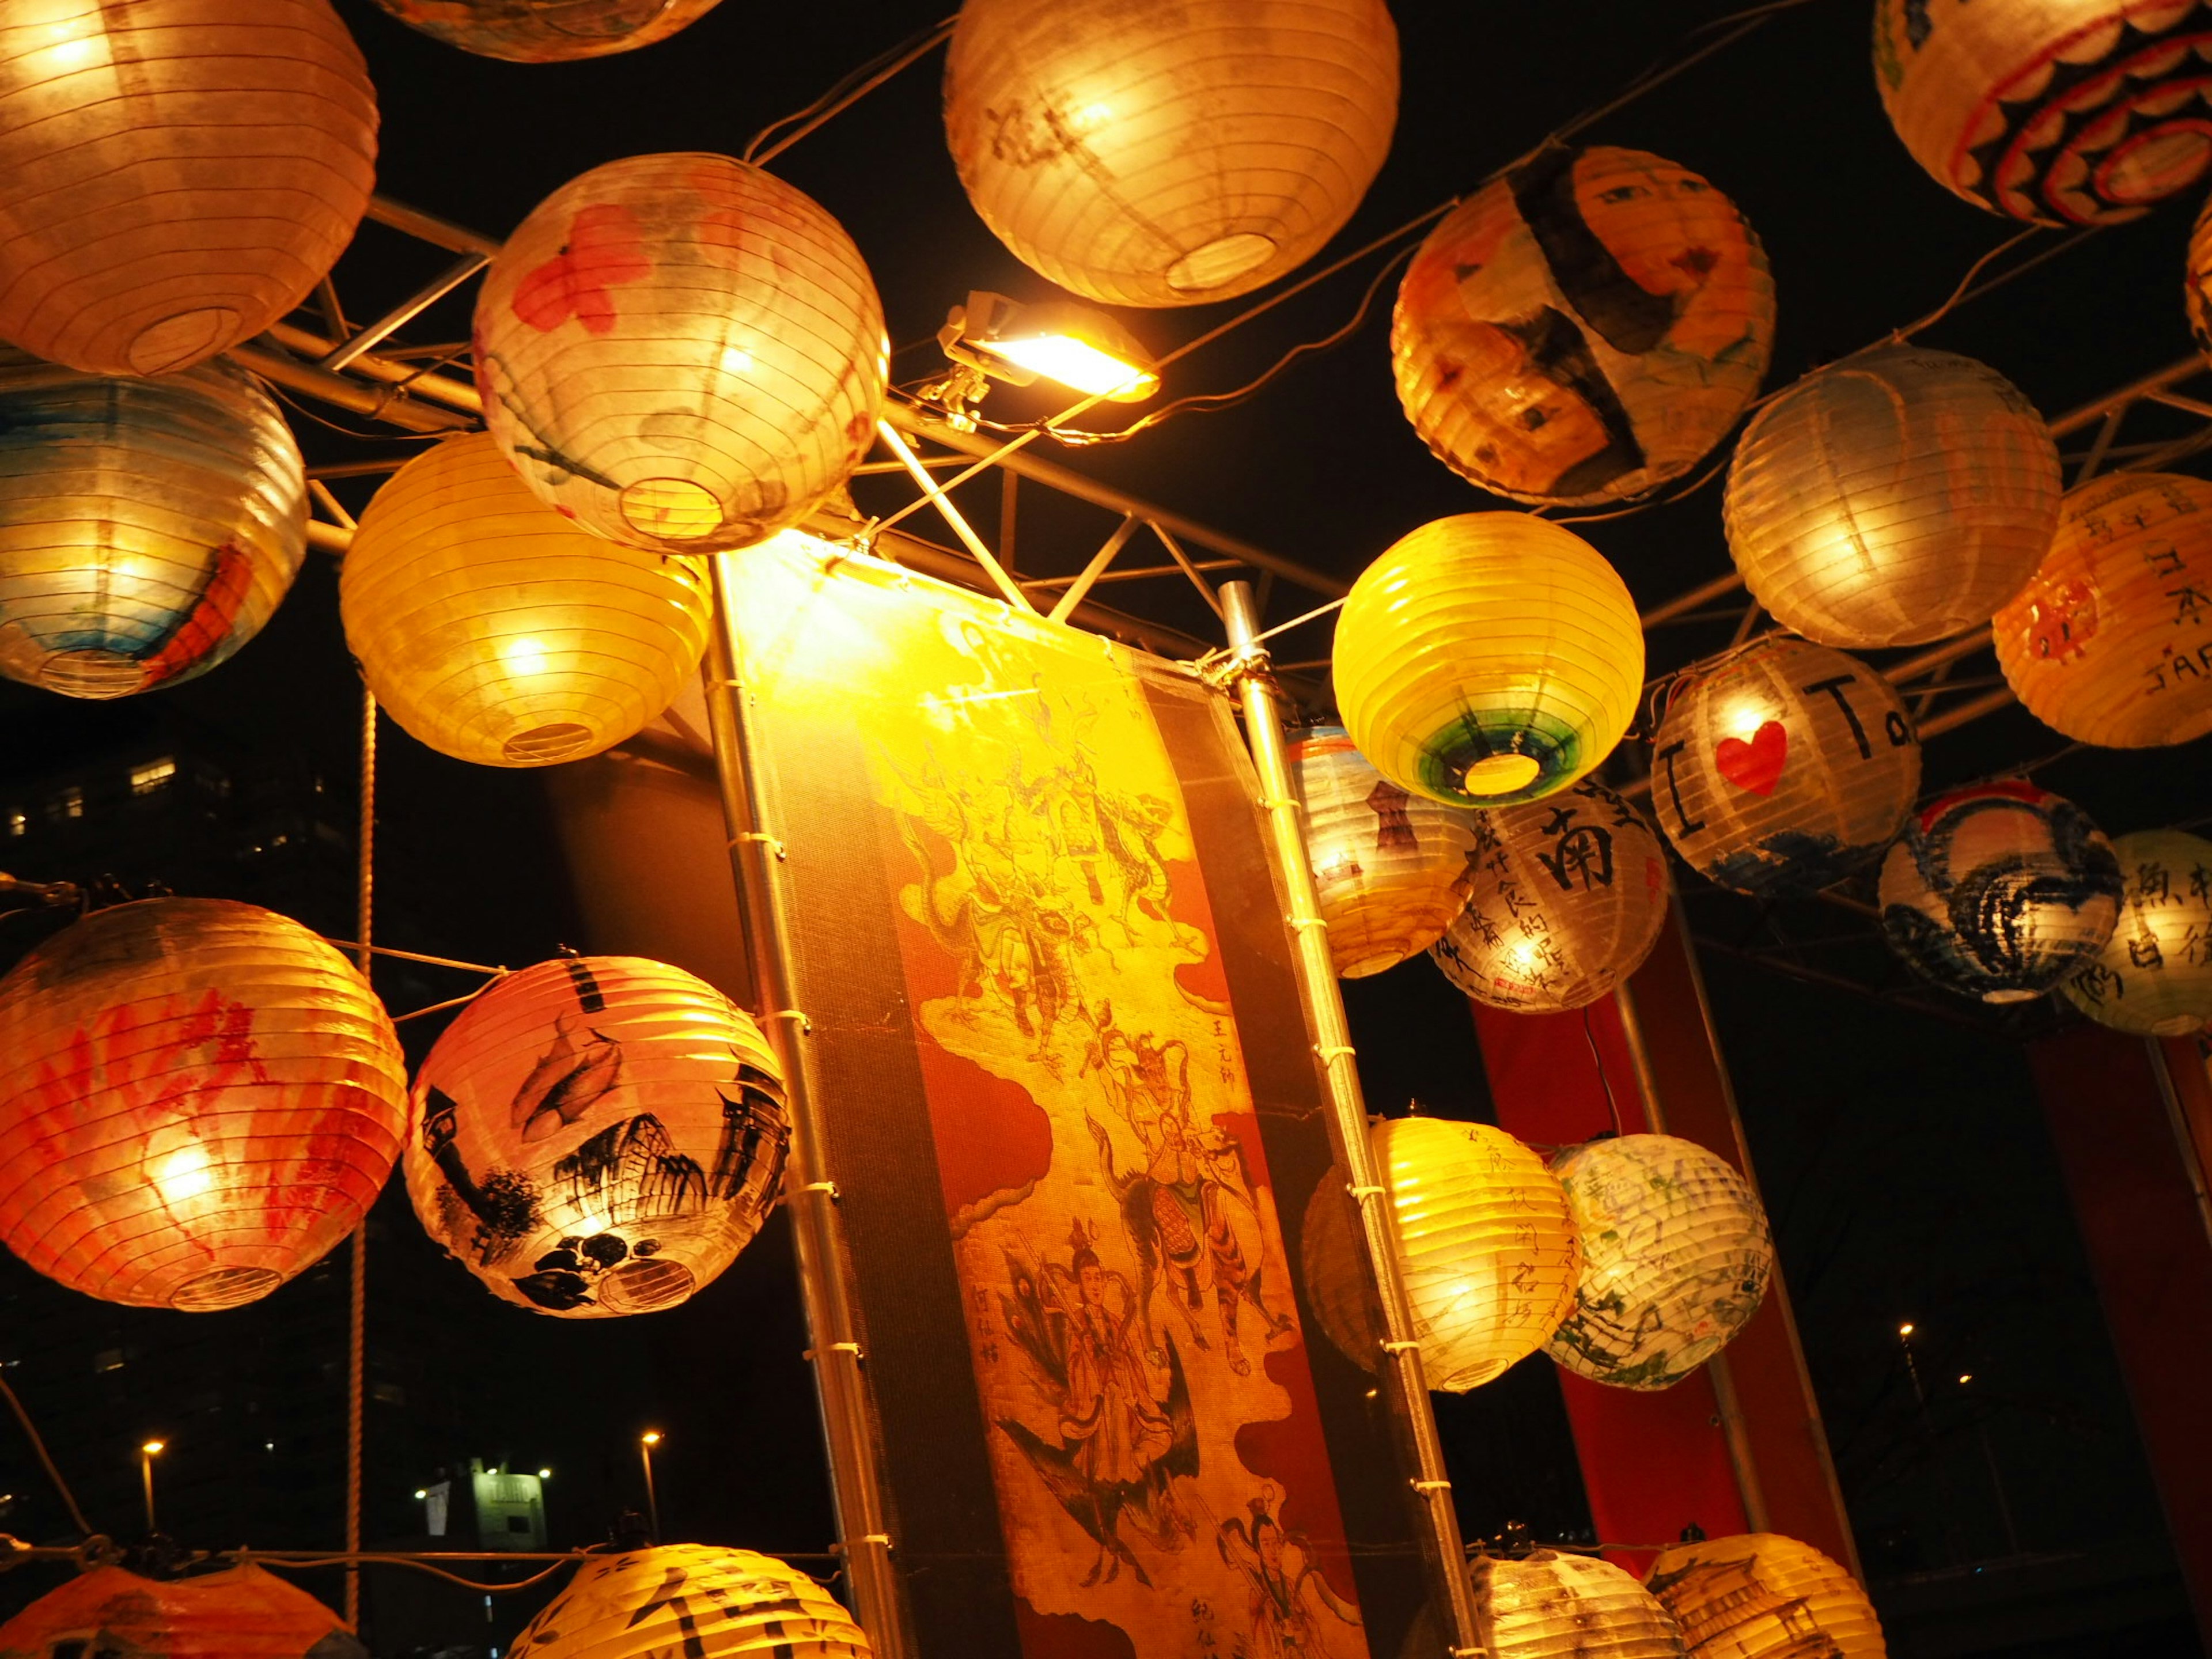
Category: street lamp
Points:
column 646, row 1442
column 147, row 1454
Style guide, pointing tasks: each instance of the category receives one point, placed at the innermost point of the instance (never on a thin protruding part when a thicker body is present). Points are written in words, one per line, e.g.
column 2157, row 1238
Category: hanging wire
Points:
column 1612, row 1106
column 46, row 1459
column 846, row 92
column 358, row 1279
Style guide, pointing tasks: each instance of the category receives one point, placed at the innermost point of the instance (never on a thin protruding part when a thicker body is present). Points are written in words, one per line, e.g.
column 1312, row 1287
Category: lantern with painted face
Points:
column 547, row 30
column 2153, row 977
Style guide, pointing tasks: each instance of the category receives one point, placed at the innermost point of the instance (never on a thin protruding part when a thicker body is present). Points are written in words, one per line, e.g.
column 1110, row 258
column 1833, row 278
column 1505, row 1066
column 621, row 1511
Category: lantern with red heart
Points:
column 1782, row 765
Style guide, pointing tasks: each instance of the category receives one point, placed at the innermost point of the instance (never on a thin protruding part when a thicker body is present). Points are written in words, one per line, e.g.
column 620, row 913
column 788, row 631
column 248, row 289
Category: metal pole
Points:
column 2185, row 1141
column 146, row 1474
column 1403, row 1381
column 645, row 1444
column 841, row 1384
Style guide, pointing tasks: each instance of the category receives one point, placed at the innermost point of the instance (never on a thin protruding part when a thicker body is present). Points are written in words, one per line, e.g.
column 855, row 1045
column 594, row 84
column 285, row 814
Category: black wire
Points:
column 847, row 84
column 1612, row 1105
column 45, row 1460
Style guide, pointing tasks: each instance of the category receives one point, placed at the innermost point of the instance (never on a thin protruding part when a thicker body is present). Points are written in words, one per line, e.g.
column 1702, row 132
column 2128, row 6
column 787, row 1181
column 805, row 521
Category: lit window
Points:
column 17, row 823
column 107, row 1359
column 69, row 803
column 154, row 775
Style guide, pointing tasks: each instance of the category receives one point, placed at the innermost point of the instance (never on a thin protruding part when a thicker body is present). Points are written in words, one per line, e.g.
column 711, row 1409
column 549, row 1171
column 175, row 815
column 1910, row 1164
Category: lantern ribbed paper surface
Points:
column 2153, row 977
column 175, row 175
column 1335, row 1283
column 147, row 528
column 1585, row 329
column 1565, row 898
column 1549, row 1606
column 1897, row 497
column 1760, row 1595
column 1676, row 1259
column 242, row 1612
column 547, row 30
column 2111, row 642
column 1390, row 865
column 598, row 1135
column 200, row 1099
column 2063, row 111
column 703, row 1601
column 1169, row 152
column 496, row 631
column 2000, row 891
column 682, row 352
column 1484, row 1241
column 1782, row 765
column 1487, row 658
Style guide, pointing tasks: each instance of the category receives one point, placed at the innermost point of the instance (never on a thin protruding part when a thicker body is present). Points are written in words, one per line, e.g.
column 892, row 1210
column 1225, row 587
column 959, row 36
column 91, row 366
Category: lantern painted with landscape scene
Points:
column 641, row 1604
column 547, row 30
column 1548, row 1604
column 241, row 1612
column 2153, row 977
column 1760, row 1596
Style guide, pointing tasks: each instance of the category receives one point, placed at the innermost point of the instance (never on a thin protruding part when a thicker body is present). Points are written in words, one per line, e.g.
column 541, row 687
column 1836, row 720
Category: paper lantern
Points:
column 1549, row 1606
column 2061, row 112
column 1169, row 152
column 1336, row 1284
column 147, row 528
column 1760, row 1595
column 2111, row 642
column 1565, row 898
column 547, row 30
column 200, row 1098
column 1487, row 658
column 241, row 1612
column 703, row 1601
column 1390, row 867
column 597, row 1136
column 496, row 631
column 2153, row 977
column 175, row 175
column 1783, row 764
column 1676, row 1259
column 1897, row 496
column 1486, row 1244
column 2000, row 891
column 1585, row 329
column 681, row 352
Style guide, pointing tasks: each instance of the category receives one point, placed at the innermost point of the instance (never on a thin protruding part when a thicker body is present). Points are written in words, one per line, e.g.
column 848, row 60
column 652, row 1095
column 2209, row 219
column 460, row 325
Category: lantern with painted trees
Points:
column 1550, row 1605
column 241, row 1612
column 1760, row 1596
column 702, row 1600
column 2153, row 977
column 547, row 30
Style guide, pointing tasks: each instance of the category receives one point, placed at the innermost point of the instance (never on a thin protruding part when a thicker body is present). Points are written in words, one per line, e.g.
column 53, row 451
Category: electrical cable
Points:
column 1612, row 1106
column 845, row 92
column 45, row 1460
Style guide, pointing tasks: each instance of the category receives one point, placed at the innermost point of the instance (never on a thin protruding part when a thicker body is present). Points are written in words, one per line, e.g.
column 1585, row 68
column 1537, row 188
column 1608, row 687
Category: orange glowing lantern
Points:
column 175, row 175
column 202, row 1098
column 242, row 1612
column 696, row 1600
column 1585, row 329
column 547, row 30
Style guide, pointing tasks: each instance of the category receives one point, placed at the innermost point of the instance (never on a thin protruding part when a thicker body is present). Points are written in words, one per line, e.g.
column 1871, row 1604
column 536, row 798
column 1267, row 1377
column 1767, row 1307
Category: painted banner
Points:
column 1075, row 1119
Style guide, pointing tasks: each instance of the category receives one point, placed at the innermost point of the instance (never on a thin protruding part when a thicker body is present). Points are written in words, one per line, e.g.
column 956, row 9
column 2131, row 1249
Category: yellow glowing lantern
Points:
column 2111, row 642
column 175, row 175
column 547, row 30
column 1545, row 1604
column 681, row 352
column 1169, row 152
column 2153, row 977
column 2061, row 112
column 1897, row 496
column 1760, row 1596
column 1676, row 1259
column 147, row 528
column 1585, row 329
column 202, row 1097
column 241, row 1612
column 1487, row 658
column 1390, row 867
column 598, row 1135
column 1485, row 1243
column 702, row 1601
column 1564, row 899
column 1783, row 764
column 494, row 630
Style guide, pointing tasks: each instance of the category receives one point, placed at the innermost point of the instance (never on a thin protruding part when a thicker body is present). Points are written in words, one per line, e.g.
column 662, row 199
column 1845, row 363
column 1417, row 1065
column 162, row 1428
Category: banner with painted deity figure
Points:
column 1075, row 1119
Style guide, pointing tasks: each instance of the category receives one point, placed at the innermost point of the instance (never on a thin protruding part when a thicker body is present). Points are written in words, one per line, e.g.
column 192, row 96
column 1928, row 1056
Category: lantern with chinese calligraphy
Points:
column 1564, row 899
column 2153, row 977
column 1390, row 867
column 496, row 631
column 175, row 175
column 1485, row 1241
column 705, row 1601
column 2059, row 112
column 681, row 352
column 1585, row 329
column 1169, row 152
column 1783, row 764
column 1545, row 1604
column 2000, row 891
column 147, row 527
column 2111, row 642
column 1676, row 1259
column 1760, row 1596
column 241, row 1612
column 598, row 1135
column 1488, row 659
column 203, row 1098
column 1899, row 495
column 547, row 30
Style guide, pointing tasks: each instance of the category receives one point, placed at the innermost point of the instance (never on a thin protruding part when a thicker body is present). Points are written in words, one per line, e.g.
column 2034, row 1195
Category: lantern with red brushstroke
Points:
column 242, row 1612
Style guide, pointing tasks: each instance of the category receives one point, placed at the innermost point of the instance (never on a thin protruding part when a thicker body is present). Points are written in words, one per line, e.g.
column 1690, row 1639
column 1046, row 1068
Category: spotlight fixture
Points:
column 1073, row 345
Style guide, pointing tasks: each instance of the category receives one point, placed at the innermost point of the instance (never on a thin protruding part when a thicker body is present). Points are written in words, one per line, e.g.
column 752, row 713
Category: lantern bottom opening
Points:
column 91, row 673
column 178, row 341
column 542, row 743
column 1220, row 262
column 223, row 1287
column 673, row 509
column 643, row 1286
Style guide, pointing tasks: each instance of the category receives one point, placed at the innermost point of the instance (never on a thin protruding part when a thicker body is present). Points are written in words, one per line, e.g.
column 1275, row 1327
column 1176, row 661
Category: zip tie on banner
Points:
column 1329, row 1051
column 1307, row 921
column 767, row 840
column 828, row 1187
column 1400, row 1347
column 1363, row 1193
column 1430, row 1485
column 1271, row 802
column 816, row 1354
column 805, row 1025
